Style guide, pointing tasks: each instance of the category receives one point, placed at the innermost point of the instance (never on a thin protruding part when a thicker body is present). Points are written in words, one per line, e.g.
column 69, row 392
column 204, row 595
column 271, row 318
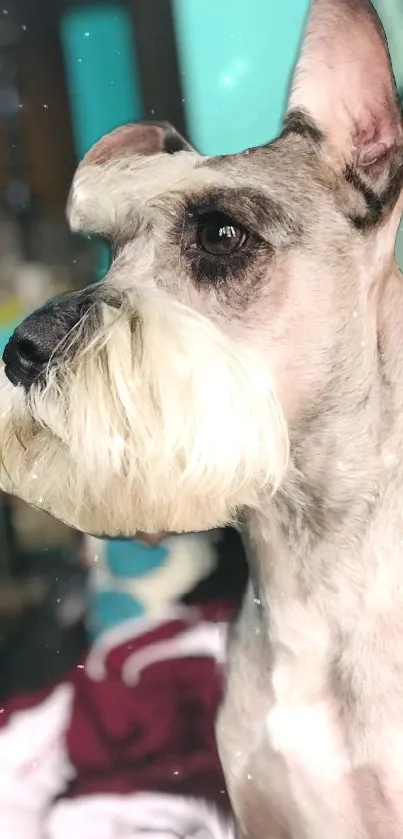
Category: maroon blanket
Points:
column 125, row 745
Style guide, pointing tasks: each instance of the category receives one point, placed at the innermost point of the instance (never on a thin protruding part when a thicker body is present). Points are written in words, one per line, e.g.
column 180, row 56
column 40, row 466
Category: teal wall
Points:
column 101, row 71
column 235, row 61
column 391, row 12
column 102, row 78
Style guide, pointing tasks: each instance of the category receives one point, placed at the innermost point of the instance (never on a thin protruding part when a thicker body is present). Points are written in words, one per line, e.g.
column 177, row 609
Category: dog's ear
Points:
column 107, row 179
column 143, row 138
column 344, row 85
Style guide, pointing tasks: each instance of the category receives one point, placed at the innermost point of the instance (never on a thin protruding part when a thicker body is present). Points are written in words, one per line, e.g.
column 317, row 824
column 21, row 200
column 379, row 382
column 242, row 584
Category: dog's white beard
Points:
column 160, row 423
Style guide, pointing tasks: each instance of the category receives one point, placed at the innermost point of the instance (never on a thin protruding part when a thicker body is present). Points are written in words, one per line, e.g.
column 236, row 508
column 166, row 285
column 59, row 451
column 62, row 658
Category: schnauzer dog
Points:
column 241, row 362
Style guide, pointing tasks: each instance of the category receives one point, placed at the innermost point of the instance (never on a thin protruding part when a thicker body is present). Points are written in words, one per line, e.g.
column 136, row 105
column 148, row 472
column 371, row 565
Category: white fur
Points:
column 185, row 428
column 102, row 197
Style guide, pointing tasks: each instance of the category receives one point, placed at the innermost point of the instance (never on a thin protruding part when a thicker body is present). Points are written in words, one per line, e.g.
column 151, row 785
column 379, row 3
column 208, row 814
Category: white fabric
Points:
column 146, row 815
column 34, row 767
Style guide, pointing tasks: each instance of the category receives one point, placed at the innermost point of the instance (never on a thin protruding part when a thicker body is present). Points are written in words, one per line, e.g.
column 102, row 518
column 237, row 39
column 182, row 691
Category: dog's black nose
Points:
column 24, row 357
column 38, row 338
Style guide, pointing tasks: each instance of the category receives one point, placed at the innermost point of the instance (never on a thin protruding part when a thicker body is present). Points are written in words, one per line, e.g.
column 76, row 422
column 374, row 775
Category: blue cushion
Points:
column 132, row 559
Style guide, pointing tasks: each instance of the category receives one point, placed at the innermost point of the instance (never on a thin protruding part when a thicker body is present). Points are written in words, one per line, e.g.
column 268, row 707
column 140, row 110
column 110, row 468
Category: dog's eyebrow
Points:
column 256, row 211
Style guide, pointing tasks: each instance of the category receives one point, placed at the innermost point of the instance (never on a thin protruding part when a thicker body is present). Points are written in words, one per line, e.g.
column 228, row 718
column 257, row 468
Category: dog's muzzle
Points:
column 41, row 337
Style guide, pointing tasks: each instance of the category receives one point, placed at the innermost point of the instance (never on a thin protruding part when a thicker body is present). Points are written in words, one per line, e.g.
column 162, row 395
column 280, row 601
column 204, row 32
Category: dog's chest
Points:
column 308, row 781
column 307, row 747
column 338, row 782
column 302, row 763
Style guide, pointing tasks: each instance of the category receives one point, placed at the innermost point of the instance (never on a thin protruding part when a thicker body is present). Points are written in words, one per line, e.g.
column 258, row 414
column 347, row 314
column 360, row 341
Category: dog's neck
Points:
column 331, row 540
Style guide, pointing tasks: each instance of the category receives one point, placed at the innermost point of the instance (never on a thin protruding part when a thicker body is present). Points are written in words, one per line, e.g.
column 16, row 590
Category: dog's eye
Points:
column 218, row 234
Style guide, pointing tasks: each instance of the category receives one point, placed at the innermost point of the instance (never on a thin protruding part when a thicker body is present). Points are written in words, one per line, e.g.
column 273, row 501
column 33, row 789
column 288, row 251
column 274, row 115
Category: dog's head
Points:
column 240, row 302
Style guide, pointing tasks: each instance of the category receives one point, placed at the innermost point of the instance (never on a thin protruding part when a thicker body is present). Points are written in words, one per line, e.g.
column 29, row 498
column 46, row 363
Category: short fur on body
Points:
column 242, row 361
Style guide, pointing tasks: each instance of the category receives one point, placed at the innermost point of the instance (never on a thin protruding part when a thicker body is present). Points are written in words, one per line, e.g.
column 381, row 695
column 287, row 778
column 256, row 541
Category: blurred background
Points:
column 69, row 72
